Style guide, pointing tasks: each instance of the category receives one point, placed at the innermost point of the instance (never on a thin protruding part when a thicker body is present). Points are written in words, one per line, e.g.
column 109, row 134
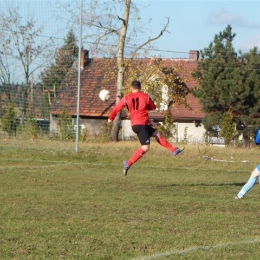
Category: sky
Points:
column 193, row 24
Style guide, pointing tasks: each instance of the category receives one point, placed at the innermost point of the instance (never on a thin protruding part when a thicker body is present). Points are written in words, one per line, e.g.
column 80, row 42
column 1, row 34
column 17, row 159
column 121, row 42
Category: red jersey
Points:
column 137, row 104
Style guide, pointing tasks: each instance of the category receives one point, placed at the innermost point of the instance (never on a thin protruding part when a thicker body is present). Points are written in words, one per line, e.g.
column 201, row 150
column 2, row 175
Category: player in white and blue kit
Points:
column 250, row 183
column 254, row 175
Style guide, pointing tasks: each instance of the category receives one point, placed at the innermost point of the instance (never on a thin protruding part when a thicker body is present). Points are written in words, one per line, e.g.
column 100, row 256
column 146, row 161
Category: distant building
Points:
column 94, row 112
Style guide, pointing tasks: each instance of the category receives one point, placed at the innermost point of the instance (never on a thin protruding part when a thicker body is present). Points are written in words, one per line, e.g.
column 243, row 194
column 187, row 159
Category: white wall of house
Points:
column 93, row 126
column 54, row 124
column 127, row 132
column 185, row 131
column 188, row 131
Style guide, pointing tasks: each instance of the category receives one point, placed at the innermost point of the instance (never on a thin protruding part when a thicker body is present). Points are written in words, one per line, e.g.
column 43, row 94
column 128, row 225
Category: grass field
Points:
column 56, row 204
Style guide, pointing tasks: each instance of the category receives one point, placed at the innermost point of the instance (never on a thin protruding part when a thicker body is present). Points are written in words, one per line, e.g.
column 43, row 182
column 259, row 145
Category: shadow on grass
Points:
column 209, row 184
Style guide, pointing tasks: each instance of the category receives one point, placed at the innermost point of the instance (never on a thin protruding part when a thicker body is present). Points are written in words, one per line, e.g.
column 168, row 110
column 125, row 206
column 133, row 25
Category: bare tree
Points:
column 121, row 65
column 5, row 86
column 20, row 43
column 5, row 81
column 110, row 31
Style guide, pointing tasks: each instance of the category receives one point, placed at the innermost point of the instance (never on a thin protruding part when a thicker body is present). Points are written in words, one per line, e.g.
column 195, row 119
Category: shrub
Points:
column 10, row 121
column 167, row 128
column 228, row 127
column 67, row 132
column 29, row 128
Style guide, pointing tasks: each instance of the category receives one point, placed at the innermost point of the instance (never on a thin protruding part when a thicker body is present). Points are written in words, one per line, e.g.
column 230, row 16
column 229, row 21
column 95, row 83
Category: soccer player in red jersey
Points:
column 137, row 104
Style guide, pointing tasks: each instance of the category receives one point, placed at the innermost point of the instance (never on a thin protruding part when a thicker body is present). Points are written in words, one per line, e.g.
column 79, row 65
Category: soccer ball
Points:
column 104, row 95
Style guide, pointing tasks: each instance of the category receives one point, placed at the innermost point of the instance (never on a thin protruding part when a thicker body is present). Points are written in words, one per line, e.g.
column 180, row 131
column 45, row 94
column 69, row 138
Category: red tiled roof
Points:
column 182, row 112
column 92, row 82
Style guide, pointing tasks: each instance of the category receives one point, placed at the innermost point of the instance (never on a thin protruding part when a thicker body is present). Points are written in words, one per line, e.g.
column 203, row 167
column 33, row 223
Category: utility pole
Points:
column 79, row 75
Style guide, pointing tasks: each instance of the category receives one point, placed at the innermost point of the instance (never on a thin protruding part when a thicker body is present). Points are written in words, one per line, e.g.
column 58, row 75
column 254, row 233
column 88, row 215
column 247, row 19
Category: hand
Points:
column 154, row 125
column 109, row 121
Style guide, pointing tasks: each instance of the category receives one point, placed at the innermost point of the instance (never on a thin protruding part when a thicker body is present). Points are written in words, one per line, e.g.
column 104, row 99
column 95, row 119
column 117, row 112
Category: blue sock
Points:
column 248, row 186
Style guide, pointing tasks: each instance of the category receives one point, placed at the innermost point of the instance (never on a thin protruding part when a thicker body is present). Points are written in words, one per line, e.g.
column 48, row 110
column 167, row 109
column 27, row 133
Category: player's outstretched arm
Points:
column 119, row 106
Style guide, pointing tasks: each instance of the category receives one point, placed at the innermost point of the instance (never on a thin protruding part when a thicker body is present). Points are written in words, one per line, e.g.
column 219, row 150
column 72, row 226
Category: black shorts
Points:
column 144, row 132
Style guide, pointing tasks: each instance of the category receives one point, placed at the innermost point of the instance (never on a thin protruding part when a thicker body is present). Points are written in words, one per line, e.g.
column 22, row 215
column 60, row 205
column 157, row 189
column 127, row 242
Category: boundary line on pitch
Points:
column 192, row 249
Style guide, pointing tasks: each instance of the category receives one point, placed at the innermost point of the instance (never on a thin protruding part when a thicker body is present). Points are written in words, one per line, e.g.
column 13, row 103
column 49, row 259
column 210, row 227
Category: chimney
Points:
column 193, row 56
column 84, row 59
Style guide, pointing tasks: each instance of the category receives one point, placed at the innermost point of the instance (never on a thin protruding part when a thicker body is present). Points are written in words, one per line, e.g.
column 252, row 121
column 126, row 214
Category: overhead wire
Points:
column 114, row 45
column 131, row 47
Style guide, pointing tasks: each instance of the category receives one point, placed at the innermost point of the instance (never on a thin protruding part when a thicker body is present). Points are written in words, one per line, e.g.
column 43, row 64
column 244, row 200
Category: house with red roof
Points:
column 94, row 112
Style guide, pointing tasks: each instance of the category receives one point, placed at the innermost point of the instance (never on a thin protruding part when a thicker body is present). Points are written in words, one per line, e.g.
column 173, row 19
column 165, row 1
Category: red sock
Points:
column 136, row 156
column 163, row 142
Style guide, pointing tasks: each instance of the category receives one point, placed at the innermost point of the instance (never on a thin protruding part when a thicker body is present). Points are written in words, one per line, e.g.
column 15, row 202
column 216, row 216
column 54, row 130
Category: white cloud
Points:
column 250, row 43
column 225, row 17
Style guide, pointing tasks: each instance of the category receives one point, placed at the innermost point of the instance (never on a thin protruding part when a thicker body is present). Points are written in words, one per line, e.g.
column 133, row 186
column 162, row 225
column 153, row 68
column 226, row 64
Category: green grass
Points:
column 56, row 204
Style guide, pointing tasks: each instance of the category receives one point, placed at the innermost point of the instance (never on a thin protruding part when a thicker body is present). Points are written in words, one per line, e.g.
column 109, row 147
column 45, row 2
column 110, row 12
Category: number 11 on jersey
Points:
column 135, row 102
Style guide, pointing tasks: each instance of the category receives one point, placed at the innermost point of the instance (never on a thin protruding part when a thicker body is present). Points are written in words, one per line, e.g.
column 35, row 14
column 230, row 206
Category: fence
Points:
column 36, row 55
column 38, row 77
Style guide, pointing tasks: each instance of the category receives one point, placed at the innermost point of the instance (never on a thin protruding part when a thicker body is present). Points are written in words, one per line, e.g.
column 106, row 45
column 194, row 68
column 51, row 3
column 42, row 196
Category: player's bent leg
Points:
column 135, row 157
column 146, row 148
column 255, row 172
column 250, row 183
column 163, row 142
column 138, row 154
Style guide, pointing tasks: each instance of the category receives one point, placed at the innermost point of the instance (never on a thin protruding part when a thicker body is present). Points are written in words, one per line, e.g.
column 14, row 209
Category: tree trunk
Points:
column 32, row 97
column 120, row 67
column 25, row 95
column 116, row 128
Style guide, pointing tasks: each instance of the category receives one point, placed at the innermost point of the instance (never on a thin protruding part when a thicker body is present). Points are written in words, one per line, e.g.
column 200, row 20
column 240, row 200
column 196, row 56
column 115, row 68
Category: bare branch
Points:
column 151, row 39
column 123, row 20
column 110, row 30
column 44, row 62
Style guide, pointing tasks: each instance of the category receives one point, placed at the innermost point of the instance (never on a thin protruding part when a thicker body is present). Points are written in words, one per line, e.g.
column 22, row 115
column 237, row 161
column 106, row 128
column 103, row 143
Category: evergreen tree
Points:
column 246, row 98
column 228, row 128
column 9, row 120
column 64, row 58
column 215, row 73
column 228, row 82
